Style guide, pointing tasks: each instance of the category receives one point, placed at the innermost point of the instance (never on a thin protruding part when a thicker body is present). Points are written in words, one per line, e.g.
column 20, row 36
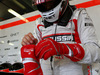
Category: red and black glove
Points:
column 49, row 47
column 31, row 63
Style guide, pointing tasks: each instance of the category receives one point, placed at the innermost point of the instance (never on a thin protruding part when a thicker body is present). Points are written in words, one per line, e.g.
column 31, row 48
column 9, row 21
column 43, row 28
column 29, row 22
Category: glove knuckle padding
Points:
column 39, row 47
column 53, row 43
column 46, row 45
column 49, row 47
column 78, row 52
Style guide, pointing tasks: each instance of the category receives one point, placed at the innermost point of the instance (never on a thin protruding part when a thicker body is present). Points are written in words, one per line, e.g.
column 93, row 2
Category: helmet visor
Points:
column 46, row 5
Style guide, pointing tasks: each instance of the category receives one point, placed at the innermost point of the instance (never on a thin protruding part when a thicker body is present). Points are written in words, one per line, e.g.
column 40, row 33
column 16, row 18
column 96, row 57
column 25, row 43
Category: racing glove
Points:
column 49, row 47
column 31, row 63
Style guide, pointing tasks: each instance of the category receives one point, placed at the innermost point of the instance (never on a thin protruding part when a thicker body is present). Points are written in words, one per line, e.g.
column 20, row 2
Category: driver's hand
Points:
column 29, row 39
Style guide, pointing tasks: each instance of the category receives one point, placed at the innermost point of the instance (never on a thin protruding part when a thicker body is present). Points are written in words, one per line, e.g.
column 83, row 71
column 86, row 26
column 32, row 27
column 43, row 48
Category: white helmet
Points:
column 51, row 10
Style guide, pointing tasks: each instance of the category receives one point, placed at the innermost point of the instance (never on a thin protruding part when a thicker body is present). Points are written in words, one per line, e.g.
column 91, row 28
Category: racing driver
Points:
column 65, row 38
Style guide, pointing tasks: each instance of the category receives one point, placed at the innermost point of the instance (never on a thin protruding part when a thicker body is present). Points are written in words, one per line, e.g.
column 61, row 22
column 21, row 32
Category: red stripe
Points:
column 39, row 29
column 39, row 26
column 88, row 4
column 77, row 39
column 89, row 70
column 33, row 18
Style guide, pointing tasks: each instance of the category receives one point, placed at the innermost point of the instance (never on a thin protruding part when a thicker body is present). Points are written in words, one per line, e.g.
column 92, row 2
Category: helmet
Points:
column 51, row 10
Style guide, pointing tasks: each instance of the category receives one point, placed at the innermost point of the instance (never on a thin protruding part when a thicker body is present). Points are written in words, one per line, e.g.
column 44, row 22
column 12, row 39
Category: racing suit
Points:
column 79, row 30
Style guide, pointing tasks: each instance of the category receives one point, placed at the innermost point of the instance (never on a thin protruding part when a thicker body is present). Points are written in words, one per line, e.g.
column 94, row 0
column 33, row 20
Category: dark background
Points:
column 20, row 6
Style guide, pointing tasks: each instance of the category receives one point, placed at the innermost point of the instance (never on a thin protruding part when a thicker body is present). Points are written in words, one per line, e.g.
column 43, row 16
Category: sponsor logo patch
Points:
column 62, row 38
column 88, row 24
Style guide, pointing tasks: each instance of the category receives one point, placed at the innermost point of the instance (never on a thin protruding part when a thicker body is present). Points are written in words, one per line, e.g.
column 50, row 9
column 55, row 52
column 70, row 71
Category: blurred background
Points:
column 20, row 6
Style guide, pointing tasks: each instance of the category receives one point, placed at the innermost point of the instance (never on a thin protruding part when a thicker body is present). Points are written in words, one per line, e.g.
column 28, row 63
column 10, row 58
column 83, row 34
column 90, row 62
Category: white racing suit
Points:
column 79, row 30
